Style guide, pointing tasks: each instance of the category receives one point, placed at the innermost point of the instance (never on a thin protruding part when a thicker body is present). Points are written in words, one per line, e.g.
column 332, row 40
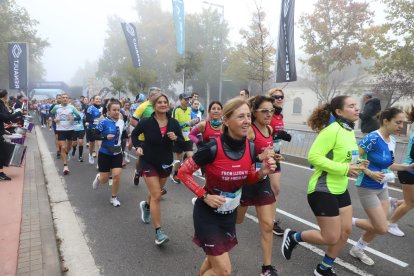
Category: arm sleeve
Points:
column 185, row 174
column 194, row 135
column 323, row 144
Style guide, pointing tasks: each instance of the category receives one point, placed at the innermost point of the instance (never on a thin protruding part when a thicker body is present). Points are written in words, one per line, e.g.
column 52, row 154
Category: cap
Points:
column 184, row 96
column 140, row 98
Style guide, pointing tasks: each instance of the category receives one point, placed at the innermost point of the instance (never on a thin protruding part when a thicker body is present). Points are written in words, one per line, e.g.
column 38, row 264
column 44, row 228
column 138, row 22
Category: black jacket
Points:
column 369, row 120
column 6, row 116
column 157, row 149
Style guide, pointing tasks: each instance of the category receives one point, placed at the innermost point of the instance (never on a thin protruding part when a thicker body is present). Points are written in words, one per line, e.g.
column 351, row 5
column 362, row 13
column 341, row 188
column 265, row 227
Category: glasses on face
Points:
column 266, row 110
column 278, row 97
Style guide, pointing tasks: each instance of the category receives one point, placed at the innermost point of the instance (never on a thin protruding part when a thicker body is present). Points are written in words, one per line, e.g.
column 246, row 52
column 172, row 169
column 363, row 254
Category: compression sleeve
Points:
column 193, row 135
column 185, row 174
column 324, row 144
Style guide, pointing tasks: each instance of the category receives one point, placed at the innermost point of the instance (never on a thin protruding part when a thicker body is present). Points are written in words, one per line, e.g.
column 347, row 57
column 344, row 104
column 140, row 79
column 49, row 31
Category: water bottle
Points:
column 276, row 145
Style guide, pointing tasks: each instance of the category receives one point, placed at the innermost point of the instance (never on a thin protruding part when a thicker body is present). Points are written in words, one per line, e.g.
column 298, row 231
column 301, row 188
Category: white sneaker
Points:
column 393, row 206
column 393, row 229
column 94, row 154
column 193, row 200
column 360, row 254
column 115, row 202
column 91, row 159
column 95, row 182
column 198, row 172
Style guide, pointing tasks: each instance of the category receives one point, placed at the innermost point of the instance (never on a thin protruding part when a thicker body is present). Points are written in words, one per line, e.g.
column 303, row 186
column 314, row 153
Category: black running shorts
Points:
column 64, row 135
column 406, row 178
column 326, row 204
column 107, row 162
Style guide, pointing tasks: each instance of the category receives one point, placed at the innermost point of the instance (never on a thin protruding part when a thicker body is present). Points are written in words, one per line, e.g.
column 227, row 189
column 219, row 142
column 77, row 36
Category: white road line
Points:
column 321, row 253
column 368, row 249
column 353, row 179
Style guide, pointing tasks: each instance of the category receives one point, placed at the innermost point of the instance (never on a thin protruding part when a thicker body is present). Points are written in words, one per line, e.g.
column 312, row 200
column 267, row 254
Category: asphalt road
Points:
column 122, row 245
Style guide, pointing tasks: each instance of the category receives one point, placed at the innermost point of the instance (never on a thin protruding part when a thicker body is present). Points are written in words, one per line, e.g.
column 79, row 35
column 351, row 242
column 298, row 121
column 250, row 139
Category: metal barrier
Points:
column 302, row 141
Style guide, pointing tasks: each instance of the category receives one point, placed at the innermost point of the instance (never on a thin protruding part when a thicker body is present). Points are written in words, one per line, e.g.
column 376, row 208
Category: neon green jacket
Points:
column 330, row 154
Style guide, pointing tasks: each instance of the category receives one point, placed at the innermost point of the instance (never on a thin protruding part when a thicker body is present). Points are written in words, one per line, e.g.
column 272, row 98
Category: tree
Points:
column 394, row 86
column 258, row 50
column 139, row 79
column 189, row 65
column 335, row 36
column 237, row 67
column 117, row 85
column 23, row 29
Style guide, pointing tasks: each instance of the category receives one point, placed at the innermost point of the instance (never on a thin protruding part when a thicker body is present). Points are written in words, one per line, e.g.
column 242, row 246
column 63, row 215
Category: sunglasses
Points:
column 278, row 97
column 266, row 110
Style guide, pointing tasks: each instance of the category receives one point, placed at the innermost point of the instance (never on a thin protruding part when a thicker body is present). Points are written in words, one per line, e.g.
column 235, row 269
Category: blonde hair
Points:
column 271, row 91
column 230, row 106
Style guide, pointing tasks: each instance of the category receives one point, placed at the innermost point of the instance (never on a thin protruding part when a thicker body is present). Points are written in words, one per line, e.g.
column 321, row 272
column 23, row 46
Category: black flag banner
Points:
column 285, row 61
column 132, row 41
column 17, row 66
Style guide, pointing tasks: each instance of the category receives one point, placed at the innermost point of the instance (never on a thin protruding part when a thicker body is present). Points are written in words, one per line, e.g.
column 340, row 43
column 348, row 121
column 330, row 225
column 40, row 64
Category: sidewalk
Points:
column 27, row 236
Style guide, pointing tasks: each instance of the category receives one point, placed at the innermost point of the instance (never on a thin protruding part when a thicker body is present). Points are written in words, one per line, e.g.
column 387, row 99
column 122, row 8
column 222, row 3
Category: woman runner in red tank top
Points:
column 229, row 165
column 261, row 195
column 209, row 129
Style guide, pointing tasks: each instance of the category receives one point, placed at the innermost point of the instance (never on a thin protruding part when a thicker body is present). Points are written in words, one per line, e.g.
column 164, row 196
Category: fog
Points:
column 76, row 29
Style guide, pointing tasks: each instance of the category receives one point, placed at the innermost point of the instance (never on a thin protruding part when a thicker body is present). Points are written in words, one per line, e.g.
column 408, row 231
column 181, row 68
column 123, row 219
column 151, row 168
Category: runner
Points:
column 109, row 131
column 126, row 116
column 44, row 112
column 378, row 148
column 406, row 179
column 182, row 114
column 52, row 123
column 79, row 133
column 156, row 156
column 144, row 110
column 65, row 114
column 93, row 115
column 228, row 161
column 210, row 128
column 279, row 134
column 261, row 195
column 334, row 154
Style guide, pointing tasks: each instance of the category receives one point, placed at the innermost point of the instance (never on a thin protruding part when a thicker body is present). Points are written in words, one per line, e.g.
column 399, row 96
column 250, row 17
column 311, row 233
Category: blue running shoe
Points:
column 160, row 237
column 145, row 212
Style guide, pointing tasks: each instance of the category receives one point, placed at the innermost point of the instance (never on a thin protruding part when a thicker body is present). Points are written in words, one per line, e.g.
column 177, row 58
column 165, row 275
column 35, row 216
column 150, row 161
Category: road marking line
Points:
column 368, row 249
column 321, row 253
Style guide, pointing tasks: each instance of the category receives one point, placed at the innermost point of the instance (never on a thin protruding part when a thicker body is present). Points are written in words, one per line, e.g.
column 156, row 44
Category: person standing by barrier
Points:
column 229, row 164
column 279, row 135
column 406, row 179
column 5, row 117
column 378, row 148
column 161, row 131
column 261, row 195
column 65, row 114
column 369, row 114
column 109, row 131
column 335, row 156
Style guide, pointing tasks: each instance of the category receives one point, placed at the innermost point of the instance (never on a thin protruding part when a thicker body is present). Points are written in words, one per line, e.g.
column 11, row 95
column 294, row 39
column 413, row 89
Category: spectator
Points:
column 5, row 116
column 244, row 94
column 369, row 120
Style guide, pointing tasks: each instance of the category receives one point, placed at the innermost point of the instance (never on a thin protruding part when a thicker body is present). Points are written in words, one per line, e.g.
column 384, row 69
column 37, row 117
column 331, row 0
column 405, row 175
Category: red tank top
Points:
column 226, row 174
column 277, row 123
column 210, row 133
column 260, row 141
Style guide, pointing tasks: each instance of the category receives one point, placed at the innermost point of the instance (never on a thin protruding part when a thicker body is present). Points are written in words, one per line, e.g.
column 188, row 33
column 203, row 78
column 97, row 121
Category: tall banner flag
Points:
column 179, row 22
column 285, row 61
column 132, row 40
column 18, row 66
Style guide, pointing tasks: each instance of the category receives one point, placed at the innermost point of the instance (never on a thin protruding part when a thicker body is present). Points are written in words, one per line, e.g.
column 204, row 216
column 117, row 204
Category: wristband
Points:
column 204, row 196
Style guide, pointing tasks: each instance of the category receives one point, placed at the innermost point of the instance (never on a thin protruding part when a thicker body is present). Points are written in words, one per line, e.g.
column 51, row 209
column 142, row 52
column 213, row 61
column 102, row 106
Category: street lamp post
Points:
column 221, row 47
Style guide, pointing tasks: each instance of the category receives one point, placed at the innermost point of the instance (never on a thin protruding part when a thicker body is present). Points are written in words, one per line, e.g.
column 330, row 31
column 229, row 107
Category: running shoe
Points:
column 193, row 200
column 288, row 243
column 322, row 272
column 57, row 155
column 91, row 159
column 268, row 270
column 94, row 154
column 65, row 170
column 393, row 206
column 395, row 230
column 80, row 159
column 277, row 230
column 145, row 212
column 160, row 237
column 360, row 254
column 136, row 179
column 163, row 191
column 95, row 182
column 114, row 201
column 4, row 177
column 175, row 179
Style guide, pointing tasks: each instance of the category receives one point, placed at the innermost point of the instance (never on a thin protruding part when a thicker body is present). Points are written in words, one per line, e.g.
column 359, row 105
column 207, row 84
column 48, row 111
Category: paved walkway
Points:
column 27, row 237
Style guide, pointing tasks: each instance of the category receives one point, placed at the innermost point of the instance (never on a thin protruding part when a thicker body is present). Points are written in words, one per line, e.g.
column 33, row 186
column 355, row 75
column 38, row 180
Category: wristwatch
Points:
column 204, row 196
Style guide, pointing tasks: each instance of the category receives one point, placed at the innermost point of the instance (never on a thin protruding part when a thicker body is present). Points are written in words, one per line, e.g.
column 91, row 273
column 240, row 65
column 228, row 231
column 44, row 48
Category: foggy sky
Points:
column 76, row 29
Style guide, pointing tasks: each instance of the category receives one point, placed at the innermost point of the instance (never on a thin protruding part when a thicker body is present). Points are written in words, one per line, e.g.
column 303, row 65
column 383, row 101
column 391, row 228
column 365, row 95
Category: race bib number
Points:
column 232, row 202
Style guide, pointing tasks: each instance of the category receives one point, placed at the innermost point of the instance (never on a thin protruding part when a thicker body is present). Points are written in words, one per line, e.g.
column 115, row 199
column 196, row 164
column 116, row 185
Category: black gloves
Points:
column 283, row 135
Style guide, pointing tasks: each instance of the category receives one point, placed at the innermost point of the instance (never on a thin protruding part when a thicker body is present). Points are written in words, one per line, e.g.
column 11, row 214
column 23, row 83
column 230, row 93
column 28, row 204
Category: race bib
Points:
column 355, row 157
column 186, row 133
column 232, row 202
